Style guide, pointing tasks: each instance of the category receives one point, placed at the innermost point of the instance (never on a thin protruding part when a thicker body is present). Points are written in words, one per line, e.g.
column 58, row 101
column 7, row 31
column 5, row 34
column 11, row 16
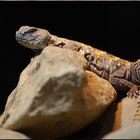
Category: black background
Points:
column 111, row 26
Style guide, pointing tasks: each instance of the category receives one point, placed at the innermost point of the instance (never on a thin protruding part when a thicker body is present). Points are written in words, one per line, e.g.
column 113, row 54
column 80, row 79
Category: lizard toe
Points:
column 129, row 94
column 132, row 94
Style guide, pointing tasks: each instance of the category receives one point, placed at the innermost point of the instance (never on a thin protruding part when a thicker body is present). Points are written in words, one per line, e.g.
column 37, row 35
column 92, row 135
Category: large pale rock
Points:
column 55, row 96
column 8, row 134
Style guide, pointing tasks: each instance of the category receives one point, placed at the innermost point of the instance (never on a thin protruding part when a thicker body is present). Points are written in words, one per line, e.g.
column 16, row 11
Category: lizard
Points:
column 122, row 74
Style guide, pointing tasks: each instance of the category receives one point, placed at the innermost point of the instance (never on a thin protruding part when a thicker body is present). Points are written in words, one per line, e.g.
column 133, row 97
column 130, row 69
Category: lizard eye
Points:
column 32, row 30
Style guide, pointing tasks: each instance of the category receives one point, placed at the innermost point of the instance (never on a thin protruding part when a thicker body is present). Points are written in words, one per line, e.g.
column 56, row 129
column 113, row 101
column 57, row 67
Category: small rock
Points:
column 55, row 96
column 9, row 134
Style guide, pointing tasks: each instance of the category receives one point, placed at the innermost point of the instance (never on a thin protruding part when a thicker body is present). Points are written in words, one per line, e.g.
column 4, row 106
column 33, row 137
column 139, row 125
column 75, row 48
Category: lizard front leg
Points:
column 119, row 80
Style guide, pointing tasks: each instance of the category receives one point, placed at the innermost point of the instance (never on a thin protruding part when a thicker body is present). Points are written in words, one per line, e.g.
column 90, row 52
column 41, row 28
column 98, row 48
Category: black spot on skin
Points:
column 61, row 44
column 89, row 57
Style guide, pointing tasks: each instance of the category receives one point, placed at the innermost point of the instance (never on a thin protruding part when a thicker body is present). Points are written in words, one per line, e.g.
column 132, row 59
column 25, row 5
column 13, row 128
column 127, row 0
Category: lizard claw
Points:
column 133, row 92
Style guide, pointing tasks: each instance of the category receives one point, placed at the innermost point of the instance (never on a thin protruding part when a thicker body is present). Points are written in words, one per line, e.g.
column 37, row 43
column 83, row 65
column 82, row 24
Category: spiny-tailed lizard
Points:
column 122, row 74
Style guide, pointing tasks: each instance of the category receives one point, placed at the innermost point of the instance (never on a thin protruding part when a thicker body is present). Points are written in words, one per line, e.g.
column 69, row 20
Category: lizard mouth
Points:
column 20, row 39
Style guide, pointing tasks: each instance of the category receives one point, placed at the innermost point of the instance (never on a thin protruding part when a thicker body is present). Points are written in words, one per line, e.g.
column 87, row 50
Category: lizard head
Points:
column 135, row 72
column 32, row 37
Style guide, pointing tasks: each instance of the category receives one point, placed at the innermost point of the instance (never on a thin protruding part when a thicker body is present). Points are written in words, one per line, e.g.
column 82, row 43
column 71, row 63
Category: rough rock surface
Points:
column 55, row 96
column 131, row 132
column 9, row 134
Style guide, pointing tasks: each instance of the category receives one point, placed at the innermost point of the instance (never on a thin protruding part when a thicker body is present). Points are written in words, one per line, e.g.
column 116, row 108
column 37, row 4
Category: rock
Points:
column 55, row 96
column 120, row 114
column 125, row 114
column 131, row 132
column 9, row 134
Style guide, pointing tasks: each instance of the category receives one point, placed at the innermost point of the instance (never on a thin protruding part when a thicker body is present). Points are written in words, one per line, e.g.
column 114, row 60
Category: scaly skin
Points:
column 122, row 74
